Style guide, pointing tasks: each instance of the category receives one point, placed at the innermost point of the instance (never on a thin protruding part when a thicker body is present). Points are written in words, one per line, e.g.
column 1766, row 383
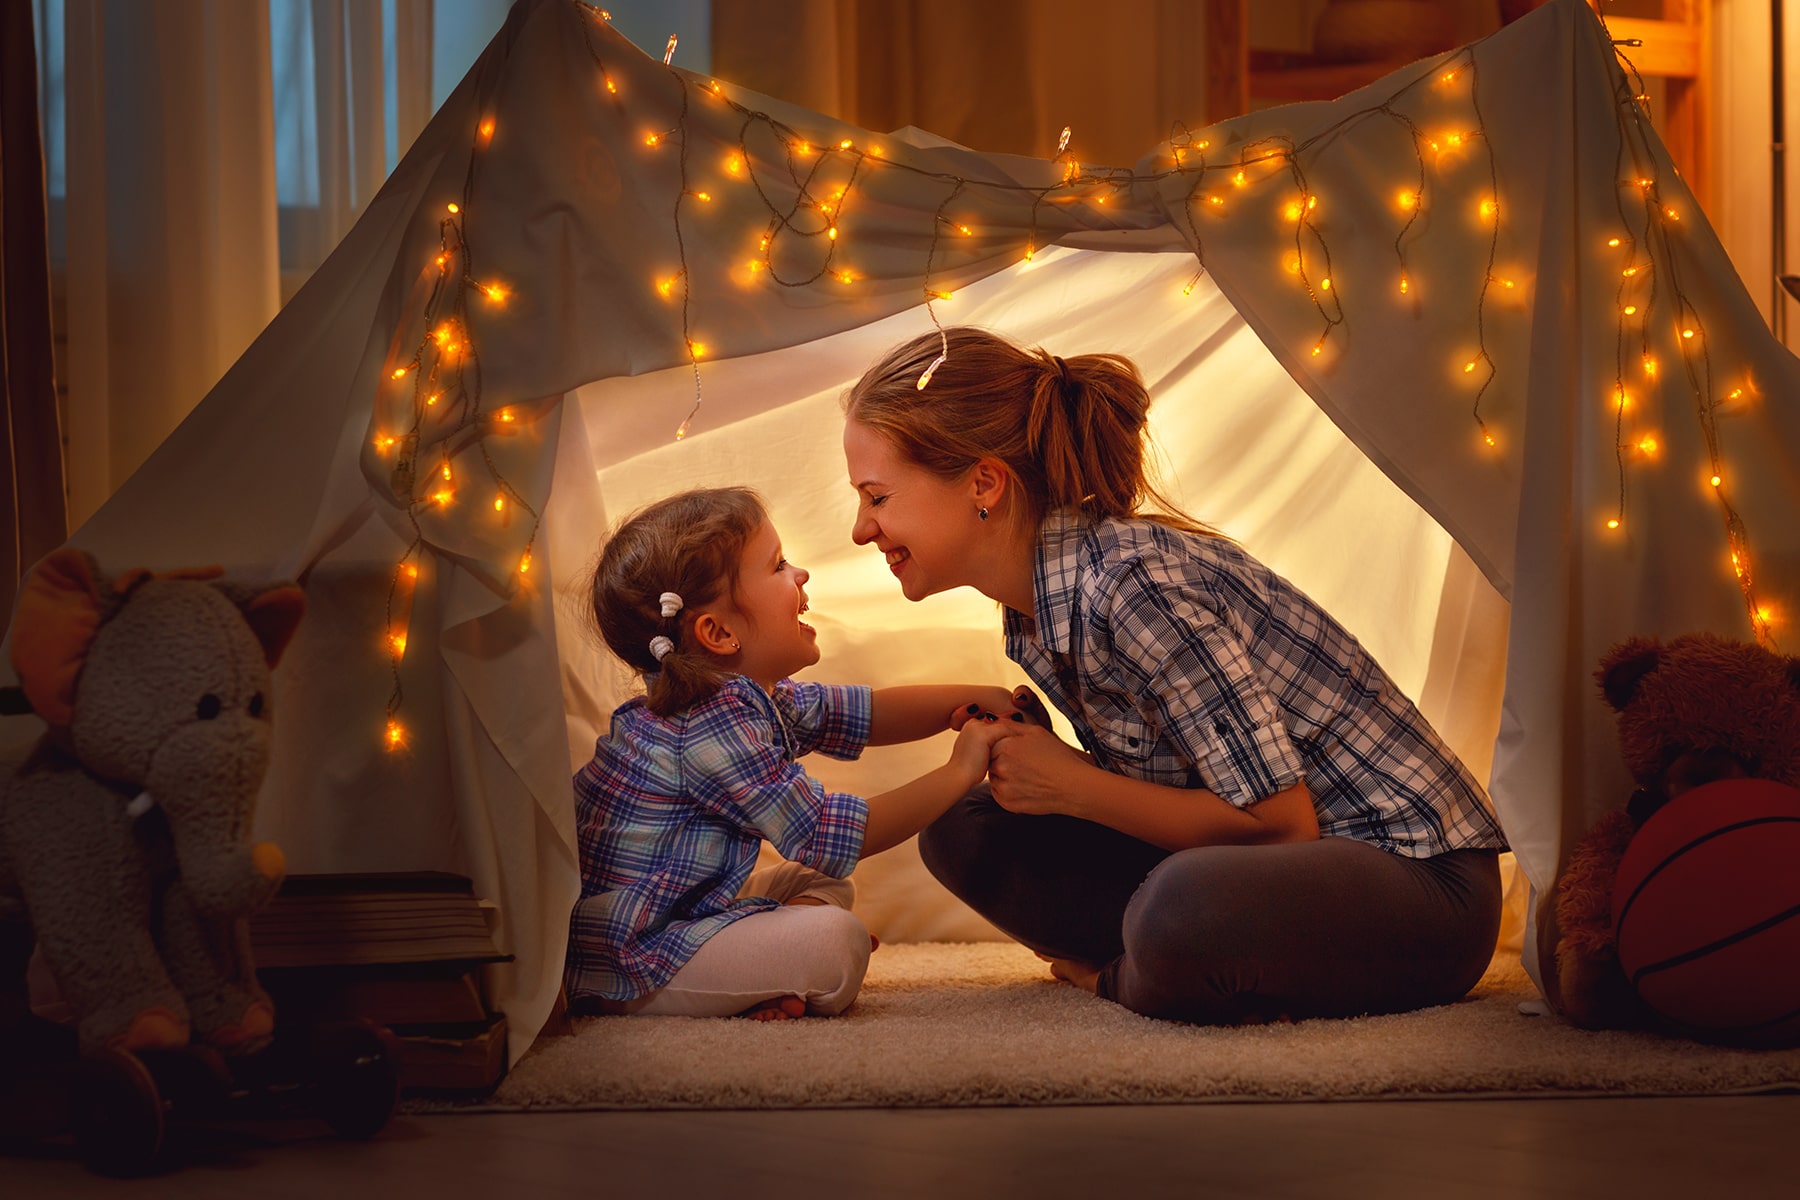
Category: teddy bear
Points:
column 125, row 848
column 1694, row 710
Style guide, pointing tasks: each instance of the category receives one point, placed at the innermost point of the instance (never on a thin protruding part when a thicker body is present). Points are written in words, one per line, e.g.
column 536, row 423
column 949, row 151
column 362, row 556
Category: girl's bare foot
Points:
column 782, row 1008
column 1085, row 976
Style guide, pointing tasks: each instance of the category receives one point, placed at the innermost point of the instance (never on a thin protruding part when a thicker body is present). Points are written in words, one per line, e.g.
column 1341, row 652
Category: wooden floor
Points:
column 1715, row 1146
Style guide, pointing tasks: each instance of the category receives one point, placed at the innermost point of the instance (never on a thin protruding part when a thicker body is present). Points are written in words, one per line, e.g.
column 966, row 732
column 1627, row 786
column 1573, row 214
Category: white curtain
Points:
column 215, row 152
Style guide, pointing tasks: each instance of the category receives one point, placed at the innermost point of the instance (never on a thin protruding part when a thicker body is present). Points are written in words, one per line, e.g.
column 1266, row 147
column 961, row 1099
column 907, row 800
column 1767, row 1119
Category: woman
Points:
column 1259, row 825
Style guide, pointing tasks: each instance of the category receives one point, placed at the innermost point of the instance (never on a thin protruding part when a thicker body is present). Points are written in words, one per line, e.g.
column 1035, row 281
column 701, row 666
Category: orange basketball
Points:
column 1706, row 909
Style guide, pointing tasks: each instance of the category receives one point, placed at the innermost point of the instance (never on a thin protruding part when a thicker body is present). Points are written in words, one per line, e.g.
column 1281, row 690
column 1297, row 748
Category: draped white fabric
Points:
column 281, row 469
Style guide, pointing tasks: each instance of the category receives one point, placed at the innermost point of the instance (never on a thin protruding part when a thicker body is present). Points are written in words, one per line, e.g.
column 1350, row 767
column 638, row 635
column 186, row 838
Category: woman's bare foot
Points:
column 1085, row 976
column 782, row 1008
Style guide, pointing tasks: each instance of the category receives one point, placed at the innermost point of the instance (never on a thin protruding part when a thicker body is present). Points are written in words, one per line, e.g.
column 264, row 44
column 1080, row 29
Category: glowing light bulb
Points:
column 525, row 562
column 1488, row 209
column 734, row 165
column 443, row 260
column 832, row 233
column 1716, row 481
column 396, row 735
column 1649, row 365
column 454, row 209
column 845, row 277
column 1630, row 309
column 1469, row 367
column 397, row 642
column 496, row 293
column 705, row 197
column 845, row 144
column 1489, row 439
column 1325, row 284
column 400, row 372
column 1292, row 210
column 446, row 472
column 1671, row 214
column 443, row 496
column 1404, row 284
column 1612, row 241
column 499, row 503
column 1647, row 444
column 411, row 572
column 487, row 129
column 432, row 399
column 505, row 416
column 611, row 86
column 937, row 295
column 1687, row 333
column 1239, row 179
column 650, row 139
column 697, row 349
column 1612, row 523
column 1408, row 200
column 1628, row 272
column 669, row 50
column 1062, row 142
column 384, row 442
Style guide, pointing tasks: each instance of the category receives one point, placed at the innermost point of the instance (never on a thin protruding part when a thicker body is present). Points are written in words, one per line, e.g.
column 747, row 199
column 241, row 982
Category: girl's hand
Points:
column 1032, row 773
column 975, row 742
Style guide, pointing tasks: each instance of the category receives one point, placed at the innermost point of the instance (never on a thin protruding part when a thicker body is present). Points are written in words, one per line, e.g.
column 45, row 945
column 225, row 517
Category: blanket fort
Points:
column 1457, row 352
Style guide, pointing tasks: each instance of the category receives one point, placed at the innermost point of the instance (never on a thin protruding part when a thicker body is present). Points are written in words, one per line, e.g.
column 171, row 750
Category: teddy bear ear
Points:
column 1624, row 668
column 54, row 623
column 273, row 616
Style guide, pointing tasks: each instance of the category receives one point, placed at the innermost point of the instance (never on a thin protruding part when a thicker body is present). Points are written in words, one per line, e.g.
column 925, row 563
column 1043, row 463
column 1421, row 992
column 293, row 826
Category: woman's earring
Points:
column 982, row 513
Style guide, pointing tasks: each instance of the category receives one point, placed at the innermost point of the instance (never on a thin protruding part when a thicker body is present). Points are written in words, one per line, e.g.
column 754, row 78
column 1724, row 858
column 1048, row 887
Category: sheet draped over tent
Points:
column 618, row 204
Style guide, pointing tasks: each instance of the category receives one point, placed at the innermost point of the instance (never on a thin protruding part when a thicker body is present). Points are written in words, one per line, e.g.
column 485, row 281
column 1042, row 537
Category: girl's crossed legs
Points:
column 806, row 958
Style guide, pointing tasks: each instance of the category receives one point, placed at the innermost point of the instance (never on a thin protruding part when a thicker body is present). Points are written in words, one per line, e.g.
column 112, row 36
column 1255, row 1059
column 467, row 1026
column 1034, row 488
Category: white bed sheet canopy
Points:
column 1440, row 464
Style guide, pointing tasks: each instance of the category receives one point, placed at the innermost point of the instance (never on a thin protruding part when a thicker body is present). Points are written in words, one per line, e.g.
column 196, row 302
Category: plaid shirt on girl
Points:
column 672, row 811
column 1182, row 660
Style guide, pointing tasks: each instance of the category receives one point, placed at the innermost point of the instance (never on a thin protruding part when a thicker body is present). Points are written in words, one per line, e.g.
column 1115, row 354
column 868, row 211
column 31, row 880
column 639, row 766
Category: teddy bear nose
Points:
column 1704, row 766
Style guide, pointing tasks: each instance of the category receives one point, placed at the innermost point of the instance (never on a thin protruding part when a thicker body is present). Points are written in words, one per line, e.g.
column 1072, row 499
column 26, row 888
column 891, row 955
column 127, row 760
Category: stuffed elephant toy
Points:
column 125, row 829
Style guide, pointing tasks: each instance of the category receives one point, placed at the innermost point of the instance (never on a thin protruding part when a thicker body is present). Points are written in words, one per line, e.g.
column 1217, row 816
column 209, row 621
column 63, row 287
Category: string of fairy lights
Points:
column 808, row 186
column 1650, row 301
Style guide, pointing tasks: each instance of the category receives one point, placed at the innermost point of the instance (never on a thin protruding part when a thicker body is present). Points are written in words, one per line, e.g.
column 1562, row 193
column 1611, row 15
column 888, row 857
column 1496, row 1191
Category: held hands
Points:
column 975, row 741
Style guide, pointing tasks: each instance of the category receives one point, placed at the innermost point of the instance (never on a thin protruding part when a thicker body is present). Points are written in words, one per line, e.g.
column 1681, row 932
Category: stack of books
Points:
column 402, row 949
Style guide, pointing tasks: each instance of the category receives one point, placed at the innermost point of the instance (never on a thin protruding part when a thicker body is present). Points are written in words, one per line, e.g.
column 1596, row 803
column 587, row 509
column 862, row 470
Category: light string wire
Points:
column 815, row 218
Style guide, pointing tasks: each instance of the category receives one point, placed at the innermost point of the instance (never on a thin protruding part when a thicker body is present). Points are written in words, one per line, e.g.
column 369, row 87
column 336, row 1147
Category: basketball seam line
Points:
column 1703, row 951
column 1671, row 857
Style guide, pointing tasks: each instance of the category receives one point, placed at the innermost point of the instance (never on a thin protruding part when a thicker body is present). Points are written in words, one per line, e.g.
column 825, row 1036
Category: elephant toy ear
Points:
column 58, row 613
column 274, row 615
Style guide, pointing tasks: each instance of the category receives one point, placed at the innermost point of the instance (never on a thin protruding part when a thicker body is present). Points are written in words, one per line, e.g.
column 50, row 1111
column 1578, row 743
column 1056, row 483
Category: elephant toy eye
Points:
column 256, row 705
column 209, row 707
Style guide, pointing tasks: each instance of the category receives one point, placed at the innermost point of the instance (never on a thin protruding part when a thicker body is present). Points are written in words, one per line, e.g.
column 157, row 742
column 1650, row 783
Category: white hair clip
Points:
column 671, row 604
column 661, row 647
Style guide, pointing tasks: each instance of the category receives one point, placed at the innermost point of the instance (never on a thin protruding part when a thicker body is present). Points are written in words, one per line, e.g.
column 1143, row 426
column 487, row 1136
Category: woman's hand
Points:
column 1018, row 705
column 1034, row 772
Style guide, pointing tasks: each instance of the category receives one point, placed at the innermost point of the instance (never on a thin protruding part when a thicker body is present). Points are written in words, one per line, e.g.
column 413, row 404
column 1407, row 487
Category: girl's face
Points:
column 770, row 596
column 926, row 526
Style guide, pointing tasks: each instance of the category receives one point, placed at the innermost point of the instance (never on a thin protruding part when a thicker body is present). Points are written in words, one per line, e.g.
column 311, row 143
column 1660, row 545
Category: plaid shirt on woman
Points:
column 672, row 811
column 1183, row 661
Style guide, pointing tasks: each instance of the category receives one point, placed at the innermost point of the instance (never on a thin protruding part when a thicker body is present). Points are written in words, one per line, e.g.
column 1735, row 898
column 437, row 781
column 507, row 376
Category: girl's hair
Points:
column 1070, row 432
column 689, row 544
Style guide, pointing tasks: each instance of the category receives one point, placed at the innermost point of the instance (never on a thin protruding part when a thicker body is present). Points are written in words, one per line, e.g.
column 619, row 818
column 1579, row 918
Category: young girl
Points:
column 1262, row 824
column 693, row 592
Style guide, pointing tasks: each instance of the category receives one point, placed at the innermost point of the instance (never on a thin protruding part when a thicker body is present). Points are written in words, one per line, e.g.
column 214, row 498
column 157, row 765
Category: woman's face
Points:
column 926, row 526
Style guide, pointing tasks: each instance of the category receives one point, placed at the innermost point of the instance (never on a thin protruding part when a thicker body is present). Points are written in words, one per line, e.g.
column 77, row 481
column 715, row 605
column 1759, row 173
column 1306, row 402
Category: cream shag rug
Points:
column 984, row 1024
